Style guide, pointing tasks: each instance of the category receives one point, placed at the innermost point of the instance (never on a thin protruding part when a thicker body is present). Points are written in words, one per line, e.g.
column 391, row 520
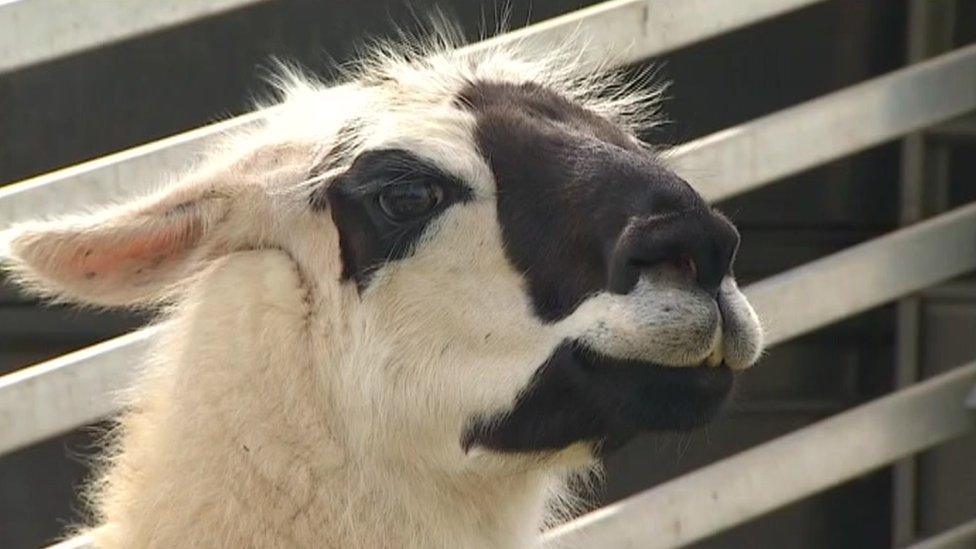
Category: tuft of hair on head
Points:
column 129, row 255
column 432, row 60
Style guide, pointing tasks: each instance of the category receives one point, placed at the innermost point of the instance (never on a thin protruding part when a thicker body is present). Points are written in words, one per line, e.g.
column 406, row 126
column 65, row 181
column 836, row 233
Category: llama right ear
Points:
column 129, row 255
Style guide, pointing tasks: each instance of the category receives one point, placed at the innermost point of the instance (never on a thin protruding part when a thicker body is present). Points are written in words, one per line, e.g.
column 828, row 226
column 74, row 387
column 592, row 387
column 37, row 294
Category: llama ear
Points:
column 129, row 255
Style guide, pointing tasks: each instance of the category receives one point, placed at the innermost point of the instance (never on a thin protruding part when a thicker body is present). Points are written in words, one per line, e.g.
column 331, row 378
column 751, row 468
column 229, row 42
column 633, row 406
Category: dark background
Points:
column 112, row 98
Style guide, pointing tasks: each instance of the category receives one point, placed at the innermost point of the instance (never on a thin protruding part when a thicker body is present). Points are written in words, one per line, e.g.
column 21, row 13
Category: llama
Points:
column 403, row 312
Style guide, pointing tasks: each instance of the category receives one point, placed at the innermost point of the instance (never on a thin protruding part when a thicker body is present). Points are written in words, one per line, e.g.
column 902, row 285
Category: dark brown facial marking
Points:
column 579, row 395
column 584, row 208
column 381, row 206
column 576, row 196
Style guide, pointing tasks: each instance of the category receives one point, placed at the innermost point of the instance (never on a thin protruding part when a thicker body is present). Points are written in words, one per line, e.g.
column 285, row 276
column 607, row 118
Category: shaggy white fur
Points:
column 280, row 407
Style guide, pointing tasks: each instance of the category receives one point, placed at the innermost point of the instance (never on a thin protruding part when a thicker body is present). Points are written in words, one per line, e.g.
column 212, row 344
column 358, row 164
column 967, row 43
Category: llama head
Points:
column 492, row 259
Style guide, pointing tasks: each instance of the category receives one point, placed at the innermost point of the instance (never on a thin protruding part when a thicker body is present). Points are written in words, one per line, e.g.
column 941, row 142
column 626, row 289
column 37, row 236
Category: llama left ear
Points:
column 125, row 256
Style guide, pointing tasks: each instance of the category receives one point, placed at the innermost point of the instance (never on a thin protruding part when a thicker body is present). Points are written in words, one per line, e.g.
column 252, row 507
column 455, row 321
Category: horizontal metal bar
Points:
column 72, row 390
column 34, row 31
column 742, row 158
column 761, row 479
column 82, row 385
column 779, row 472
column 851, row 281
column 112, row 178
column 77, row 542
column 625, row 31
column 723, row 164
column 960, row 537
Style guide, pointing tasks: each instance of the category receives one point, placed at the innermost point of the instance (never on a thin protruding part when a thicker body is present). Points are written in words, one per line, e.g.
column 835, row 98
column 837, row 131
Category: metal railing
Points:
column 58, row 395
column 621, row 30
column 784, row 470
column 772, row 144
column 35, row 31
column 960, row 537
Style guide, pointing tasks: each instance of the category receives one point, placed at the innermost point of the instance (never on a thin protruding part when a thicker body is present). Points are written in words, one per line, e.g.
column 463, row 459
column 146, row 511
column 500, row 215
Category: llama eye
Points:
column 406, row 201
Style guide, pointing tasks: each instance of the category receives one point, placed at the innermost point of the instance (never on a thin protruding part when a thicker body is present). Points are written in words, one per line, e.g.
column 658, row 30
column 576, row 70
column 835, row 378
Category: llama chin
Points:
column 406, row 311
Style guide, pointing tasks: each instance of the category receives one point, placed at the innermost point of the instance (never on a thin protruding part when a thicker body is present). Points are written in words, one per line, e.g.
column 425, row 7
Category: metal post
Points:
column 928, row 33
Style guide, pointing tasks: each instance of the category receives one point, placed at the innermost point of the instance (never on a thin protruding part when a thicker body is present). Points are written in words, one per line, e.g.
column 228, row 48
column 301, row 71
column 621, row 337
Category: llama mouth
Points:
column 583, row 395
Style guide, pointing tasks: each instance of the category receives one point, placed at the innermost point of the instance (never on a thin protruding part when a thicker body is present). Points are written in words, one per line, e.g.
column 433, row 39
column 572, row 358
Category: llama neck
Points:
column 397, row 508
column 271, row 478
column 232, row 444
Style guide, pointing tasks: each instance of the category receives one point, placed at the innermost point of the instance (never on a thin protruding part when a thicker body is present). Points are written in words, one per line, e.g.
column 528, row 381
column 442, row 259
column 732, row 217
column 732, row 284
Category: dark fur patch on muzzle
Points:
column 580, row 395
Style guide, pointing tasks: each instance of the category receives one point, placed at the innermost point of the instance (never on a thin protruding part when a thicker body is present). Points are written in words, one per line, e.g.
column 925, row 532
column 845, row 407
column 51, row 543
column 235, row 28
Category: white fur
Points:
column 280, row 408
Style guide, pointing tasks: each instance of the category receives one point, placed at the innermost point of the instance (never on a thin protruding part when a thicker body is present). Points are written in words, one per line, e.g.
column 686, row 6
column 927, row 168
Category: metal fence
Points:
column 59, row 395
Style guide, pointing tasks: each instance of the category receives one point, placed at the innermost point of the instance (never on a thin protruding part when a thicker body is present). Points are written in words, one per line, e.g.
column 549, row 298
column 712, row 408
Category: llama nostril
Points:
column 699, row 246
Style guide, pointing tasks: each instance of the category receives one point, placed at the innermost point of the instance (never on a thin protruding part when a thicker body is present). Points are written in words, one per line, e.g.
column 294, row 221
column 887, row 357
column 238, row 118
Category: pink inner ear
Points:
column 134, row 258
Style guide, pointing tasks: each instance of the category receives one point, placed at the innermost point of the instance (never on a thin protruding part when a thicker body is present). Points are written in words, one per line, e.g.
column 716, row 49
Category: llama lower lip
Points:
column 654, row 397
column 580, row 395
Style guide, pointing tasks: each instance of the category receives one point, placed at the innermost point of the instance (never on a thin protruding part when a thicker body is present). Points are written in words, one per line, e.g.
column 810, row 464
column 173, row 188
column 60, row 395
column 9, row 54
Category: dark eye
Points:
column 409, row 200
